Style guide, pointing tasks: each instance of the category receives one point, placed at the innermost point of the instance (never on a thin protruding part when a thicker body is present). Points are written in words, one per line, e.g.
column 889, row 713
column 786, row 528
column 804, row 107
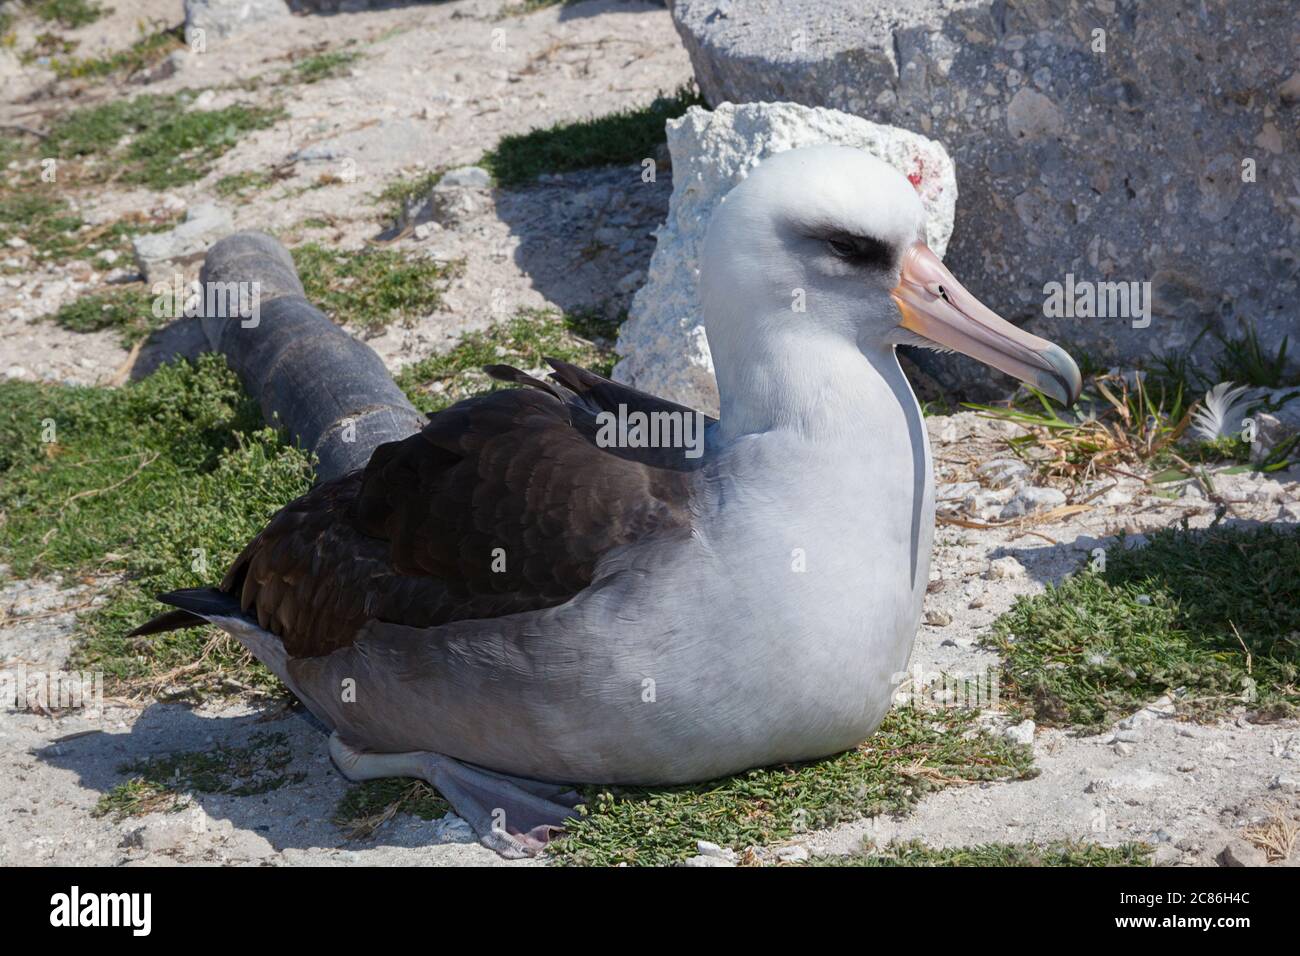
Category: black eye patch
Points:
column 863, row 251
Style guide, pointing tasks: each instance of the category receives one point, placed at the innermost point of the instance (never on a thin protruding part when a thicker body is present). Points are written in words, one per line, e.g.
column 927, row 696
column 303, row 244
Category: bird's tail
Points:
column 195, row 606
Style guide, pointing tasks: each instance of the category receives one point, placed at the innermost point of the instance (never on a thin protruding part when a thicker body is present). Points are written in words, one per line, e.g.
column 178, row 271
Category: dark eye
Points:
column 844, row 250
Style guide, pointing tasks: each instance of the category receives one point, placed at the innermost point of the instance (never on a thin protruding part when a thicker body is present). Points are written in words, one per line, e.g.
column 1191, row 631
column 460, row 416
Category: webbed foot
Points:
column 514, row 816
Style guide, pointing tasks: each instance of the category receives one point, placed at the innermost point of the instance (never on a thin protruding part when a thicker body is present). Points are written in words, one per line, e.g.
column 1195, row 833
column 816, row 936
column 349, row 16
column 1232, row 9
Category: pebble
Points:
column 1032, row 500
column 1116, row 498
column 987, row 502
column 1003, row 472
column 949, row 495
column 792, row 854
column 703, row 860
column 1123, row 749
column 705, row 848
column 1286, row 783
column 1166, row 855
column 1021, row 733
column 1005, row 569
column 474, row 177
column 122, row 276
column 961, row 643
column 938, row 618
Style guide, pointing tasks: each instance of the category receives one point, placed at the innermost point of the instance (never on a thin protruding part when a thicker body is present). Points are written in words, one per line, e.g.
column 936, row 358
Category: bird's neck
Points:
column 817, row 385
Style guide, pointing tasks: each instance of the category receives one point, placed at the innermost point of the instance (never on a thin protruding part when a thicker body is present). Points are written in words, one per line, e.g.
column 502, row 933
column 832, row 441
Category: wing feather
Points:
column 502, row 503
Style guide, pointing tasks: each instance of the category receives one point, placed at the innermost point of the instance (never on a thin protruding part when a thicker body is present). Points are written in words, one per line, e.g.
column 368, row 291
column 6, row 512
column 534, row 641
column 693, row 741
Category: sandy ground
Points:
column 436, row 86
column 431, row 91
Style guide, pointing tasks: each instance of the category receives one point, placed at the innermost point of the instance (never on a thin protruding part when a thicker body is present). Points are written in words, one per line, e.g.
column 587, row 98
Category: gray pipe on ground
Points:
column 331, row 392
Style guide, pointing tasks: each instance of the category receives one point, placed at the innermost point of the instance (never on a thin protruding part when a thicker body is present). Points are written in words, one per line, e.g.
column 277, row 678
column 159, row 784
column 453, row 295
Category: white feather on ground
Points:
column 1221, row 415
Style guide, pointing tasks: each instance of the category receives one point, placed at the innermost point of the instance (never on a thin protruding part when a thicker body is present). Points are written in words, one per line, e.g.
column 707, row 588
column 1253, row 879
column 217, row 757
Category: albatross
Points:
column 511, row 602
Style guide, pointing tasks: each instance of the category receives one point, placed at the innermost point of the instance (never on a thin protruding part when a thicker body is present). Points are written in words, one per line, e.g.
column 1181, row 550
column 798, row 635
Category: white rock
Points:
column 1007, row 568
column 1117, row 498
column 792, row 854
column 951, row 496
column 1003, row 472
column 706, row 861
column 705, row 848
column 475, row 177
column 1032, row 500
column 662, row 343
column 1022, row 733
column 987, row 503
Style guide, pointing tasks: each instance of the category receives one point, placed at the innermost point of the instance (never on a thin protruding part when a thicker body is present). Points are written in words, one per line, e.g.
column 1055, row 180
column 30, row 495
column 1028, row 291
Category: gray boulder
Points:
column 204, row 224
column 663, row 344
column 1107, row 141
column 221, row 18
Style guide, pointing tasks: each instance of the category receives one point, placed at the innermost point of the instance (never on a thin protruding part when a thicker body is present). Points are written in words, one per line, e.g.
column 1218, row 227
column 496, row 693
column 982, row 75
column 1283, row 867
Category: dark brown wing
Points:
column 503, row 503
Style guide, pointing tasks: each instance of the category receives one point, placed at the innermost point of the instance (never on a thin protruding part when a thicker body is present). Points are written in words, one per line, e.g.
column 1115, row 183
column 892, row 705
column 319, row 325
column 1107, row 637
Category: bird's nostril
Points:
column 941, row 292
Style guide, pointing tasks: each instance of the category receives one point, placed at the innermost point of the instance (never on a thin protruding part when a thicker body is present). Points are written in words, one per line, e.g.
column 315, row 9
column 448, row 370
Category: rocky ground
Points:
column 431, row 90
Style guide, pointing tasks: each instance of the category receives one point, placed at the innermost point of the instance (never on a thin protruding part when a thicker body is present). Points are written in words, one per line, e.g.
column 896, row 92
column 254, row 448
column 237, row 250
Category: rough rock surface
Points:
column 221, row 18
column 1111, row 156
column 663, row 344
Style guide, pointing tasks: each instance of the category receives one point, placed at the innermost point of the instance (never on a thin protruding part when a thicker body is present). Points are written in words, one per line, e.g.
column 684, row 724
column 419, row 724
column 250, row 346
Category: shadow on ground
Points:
column 296, row 814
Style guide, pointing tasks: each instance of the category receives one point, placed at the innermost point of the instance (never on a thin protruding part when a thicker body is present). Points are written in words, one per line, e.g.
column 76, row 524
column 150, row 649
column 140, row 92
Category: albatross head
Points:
column 824, row 245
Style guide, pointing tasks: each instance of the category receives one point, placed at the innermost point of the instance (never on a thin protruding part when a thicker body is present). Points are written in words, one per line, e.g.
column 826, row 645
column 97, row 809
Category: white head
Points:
column 820, row 250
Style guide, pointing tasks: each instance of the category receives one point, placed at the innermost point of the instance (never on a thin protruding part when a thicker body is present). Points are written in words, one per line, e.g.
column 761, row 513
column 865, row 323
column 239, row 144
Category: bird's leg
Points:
column 512, row 815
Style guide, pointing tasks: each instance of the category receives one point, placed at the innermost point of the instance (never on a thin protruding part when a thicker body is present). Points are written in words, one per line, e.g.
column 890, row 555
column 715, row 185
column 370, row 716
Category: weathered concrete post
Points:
column 330, row 391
